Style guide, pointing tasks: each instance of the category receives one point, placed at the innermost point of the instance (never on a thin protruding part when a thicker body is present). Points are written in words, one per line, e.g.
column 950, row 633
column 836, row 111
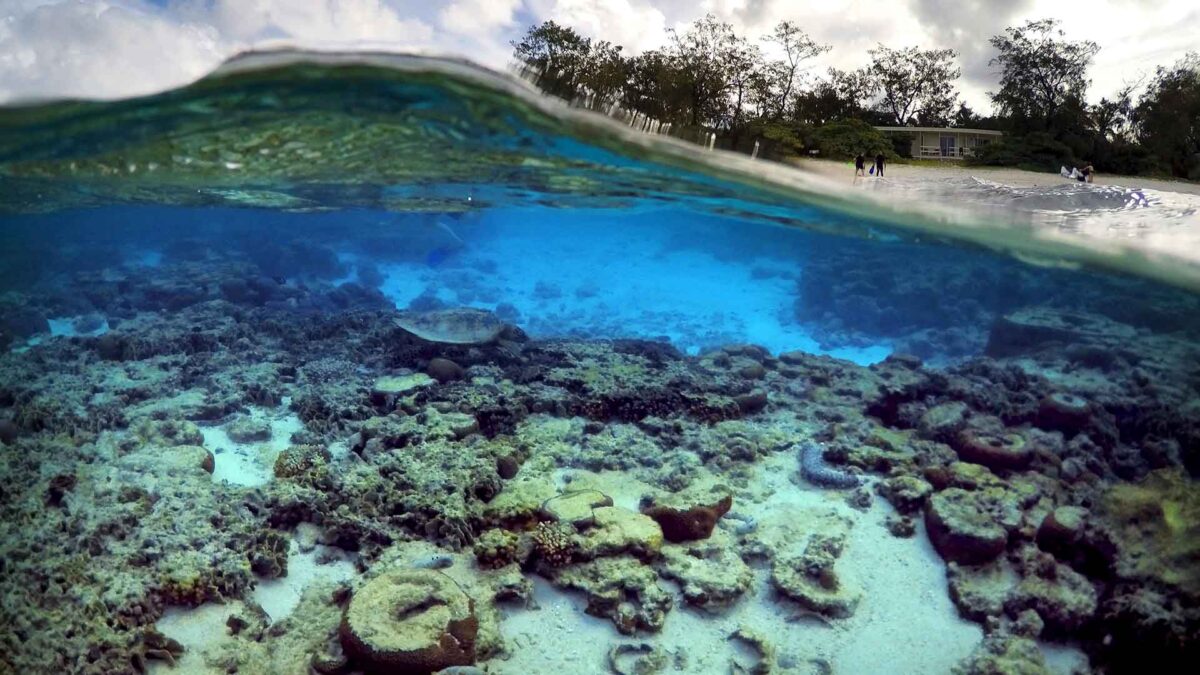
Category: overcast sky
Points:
column 112, row 48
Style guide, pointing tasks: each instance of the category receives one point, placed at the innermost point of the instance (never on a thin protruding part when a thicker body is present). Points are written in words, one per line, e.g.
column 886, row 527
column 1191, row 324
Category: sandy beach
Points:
column 844, row 172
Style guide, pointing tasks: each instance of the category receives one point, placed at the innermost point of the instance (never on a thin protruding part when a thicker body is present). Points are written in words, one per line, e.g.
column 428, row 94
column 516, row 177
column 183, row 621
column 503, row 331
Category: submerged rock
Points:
column 248, row 430
column 622, row 589
column 1004, row 653
column 690, row 515
column 8, row 431
column 907, row 493
column 963, row 527
column 641, row 658
column 1064, row 599
column 712, row 574
column 1031, row 329
column 388, row 387
column 980, row 591
column 1156, row 526
column 497, row 548
column 576, row 508
column 810, row 580
column 618, row 531
column 444, row 370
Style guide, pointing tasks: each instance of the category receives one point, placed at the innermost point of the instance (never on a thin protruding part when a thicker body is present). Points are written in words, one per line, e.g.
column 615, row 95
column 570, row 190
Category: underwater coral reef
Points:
column 224, row 418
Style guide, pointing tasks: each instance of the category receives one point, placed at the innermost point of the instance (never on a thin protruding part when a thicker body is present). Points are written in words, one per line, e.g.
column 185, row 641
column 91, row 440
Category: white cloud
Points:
column 637, row 25
column 114, row 48
column 111, row 48
column 317, row 22
column 99, row 49
column 479, row 18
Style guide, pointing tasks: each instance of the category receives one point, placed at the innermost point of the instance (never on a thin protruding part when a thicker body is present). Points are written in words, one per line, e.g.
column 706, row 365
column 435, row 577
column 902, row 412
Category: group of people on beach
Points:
column 1084, row 174
column 860, row 166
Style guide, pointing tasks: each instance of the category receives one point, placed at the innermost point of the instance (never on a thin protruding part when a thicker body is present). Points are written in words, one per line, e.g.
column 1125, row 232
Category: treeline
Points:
column 710, row 79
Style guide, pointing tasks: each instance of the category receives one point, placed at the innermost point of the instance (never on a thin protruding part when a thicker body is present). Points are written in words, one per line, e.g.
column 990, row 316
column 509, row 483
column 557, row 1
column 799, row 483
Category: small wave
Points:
column 1068, row 197
column 288, row 129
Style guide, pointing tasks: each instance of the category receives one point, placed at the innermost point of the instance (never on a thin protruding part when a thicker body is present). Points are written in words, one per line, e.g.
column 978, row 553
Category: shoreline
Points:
column 839, row 170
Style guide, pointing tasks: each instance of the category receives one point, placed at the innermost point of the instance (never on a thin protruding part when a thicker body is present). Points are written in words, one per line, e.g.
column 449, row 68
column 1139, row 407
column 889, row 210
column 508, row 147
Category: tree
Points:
column 605, row 70
column 781, row 76
column 566, row 64
column 702, row 57
column 844, row 139
column 1111, row 117
column 557, row 55
column 842, row 95
column 651, row 88
column 745, row 77
column 1167, row 117
column 1041, row 73
column 914, row 83
column 965, row 117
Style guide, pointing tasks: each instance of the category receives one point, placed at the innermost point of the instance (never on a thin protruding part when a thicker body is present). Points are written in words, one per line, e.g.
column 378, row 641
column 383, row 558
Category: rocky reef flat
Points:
column 230, row 473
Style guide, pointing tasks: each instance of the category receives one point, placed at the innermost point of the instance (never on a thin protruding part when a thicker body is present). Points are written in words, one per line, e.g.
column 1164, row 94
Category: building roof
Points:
column 981, row 132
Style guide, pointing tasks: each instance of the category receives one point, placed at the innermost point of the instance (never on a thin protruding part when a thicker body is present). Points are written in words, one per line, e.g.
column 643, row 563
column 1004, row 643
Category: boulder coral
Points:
column 963, row 527
column 997, row 450
column 689, row 516
column 409, row 622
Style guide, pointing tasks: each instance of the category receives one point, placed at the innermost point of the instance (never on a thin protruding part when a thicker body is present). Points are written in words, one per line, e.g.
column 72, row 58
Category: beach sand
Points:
column 843, row 172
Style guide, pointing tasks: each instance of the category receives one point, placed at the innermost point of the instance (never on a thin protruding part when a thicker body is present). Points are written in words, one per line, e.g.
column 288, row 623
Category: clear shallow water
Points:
column 1151, row 219
column 218, row 272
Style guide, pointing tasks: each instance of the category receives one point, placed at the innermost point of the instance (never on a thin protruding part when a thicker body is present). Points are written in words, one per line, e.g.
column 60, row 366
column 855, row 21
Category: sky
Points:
column 119, row 48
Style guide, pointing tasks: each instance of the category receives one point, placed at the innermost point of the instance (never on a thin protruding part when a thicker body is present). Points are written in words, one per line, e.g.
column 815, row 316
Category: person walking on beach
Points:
column 860, row 165
column 879, row 165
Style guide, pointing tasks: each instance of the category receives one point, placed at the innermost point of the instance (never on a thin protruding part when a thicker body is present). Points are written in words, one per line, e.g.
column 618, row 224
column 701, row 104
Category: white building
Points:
column 945, row 143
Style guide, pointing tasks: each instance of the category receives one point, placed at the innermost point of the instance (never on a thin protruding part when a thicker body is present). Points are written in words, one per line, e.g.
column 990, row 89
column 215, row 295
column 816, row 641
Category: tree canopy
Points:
column 915, row 84
column 706, row 78
column 1167, row 117
column 1041, row 72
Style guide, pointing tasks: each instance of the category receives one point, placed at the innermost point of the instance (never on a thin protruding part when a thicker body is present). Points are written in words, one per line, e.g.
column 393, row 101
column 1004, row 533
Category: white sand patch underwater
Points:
column 197, row 630
column 251, row 463
column 278, row 597
column 202, row 630
column 905, row 617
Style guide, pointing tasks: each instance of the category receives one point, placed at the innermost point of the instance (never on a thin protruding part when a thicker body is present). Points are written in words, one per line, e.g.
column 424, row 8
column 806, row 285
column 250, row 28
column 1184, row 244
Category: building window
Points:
column 947, row 145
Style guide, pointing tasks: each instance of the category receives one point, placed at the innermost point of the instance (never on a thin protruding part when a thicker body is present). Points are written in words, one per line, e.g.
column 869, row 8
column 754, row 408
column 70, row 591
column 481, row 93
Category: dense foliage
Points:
column 708, row 79
column 1044, row 76
column 1167, row 119
column 846, row 138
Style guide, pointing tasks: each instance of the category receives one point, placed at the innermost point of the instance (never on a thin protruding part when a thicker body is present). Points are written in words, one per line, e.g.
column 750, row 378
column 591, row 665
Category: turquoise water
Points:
column 238, row 373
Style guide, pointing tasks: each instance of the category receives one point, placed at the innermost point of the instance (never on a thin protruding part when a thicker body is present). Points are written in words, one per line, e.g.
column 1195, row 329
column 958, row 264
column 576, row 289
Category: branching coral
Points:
column 554, row 543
